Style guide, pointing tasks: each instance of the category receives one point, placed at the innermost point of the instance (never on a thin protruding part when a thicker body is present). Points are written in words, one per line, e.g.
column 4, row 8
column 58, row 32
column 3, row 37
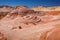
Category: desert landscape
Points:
column 24, row 23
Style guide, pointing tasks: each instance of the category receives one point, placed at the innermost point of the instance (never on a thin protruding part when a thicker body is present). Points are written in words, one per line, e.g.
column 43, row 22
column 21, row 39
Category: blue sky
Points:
column 30, row 3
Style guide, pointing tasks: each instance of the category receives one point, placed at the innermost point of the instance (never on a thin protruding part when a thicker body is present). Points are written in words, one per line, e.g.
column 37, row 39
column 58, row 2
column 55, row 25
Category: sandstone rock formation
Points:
column 2, row 36
column 23, row 23
column 41, row 8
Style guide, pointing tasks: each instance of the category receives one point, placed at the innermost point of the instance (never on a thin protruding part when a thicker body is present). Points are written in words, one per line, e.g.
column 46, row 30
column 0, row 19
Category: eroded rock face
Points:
column 23, row 23
column 54, row 35
column 41, row 8
column 2, row 36
column 4, row 10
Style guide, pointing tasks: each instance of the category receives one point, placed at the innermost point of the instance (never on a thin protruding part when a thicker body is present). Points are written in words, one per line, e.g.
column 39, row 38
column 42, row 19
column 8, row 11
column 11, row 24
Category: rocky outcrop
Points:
column 2, row 36
column 23, row 23
column 41, row 8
